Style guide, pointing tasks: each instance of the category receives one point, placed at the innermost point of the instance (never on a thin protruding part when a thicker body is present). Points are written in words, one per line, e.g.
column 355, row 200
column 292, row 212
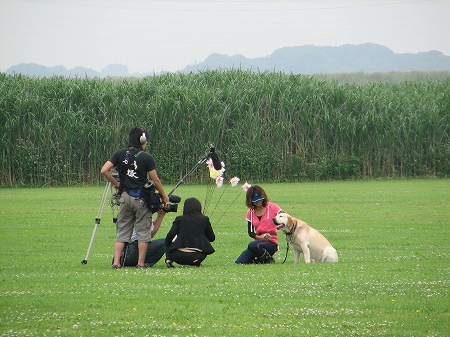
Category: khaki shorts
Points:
column 133, row 213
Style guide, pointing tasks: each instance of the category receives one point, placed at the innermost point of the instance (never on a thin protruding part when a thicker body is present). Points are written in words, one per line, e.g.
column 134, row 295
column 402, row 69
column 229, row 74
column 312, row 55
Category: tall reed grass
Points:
column 266, row 126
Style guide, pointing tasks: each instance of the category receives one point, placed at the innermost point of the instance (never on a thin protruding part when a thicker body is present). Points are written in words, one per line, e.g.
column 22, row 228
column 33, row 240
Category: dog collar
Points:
column 293, row 229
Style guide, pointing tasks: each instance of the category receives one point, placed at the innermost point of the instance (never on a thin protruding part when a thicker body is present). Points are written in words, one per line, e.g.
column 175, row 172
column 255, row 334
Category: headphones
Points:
column 143, row 138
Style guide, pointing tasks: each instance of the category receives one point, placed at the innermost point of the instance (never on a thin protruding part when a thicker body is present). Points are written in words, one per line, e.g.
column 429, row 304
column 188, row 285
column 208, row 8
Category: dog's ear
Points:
column 290, row 219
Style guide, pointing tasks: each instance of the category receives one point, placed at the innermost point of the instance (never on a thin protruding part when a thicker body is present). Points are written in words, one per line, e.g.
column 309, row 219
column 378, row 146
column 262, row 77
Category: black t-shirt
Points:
column 132, row 165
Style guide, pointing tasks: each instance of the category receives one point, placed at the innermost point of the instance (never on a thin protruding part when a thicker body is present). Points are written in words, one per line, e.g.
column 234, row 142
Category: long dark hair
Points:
column 192, row 206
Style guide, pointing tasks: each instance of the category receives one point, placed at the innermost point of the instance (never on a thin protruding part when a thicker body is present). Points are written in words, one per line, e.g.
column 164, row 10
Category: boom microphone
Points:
column 215, row 159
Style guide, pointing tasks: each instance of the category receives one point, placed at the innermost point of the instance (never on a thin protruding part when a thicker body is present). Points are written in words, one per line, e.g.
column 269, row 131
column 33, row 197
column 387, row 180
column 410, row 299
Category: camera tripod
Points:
column 113, row 199
column 113, row 203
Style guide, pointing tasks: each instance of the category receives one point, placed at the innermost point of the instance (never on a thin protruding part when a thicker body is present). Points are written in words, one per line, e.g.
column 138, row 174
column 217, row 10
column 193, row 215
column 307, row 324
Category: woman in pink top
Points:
column 260, row 228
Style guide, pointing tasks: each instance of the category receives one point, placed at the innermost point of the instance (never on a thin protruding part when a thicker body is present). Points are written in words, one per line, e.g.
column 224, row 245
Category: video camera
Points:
column 154, row 202
column 151, row 197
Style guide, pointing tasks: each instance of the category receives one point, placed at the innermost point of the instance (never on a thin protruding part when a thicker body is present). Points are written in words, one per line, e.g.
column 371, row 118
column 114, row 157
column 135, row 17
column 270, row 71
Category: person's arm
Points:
column 157, row 222
column 154, row 177
column 106, row 171
column 253, row 235
column 251, row 230
column 209, row 233
column 172, row 232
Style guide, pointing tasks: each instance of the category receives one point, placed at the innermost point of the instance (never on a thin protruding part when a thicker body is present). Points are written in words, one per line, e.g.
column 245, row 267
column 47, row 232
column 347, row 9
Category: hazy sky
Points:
column 148, row 35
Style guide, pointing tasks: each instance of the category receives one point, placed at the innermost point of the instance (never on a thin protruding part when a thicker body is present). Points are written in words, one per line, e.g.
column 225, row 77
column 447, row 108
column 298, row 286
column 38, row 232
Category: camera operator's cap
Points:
column 256, row 197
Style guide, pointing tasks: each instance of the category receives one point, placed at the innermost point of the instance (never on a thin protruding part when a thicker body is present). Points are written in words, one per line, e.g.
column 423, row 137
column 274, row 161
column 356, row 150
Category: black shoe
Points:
column 169, row 264
column 146, row 265
column 115, row 266
column 266, row 257
column 270, row 260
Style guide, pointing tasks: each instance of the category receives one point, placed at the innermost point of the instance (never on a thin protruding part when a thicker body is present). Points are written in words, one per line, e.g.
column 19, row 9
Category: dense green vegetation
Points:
column 392, row 77
column 266, row 126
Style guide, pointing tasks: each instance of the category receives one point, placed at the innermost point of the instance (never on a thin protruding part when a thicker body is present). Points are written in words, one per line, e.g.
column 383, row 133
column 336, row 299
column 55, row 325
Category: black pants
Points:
column 255, row 249
column 186, row 258
column 155, row 252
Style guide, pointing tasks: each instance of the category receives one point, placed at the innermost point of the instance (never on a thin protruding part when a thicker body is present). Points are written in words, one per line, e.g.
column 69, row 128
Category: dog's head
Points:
column 284, row 222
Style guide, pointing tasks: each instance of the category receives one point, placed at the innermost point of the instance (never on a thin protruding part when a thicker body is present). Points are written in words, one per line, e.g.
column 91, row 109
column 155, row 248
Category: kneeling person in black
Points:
column 189, row 240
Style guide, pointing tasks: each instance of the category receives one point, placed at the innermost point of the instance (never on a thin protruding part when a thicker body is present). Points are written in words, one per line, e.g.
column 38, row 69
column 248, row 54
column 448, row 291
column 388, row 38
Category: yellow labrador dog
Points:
column 315, row 247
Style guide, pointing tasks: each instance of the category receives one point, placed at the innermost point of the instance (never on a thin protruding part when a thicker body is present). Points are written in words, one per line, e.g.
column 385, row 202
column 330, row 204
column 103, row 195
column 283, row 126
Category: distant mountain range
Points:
column 306, row 59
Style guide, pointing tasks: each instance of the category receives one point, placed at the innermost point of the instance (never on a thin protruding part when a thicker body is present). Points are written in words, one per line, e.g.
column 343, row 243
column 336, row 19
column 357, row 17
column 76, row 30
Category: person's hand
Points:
column 267, row 236
column 165, row 200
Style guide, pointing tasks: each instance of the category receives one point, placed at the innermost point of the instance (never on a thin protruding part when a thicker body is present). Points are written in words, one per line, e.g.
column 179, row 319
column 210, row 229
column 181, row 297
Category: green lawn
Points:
column 392, row 279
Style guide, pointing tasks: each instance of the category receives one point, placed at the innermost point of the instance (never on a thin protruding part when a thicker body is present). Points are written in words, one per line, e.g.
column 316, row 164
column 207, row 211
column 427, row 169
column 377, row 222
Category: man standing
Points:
column 135, row 168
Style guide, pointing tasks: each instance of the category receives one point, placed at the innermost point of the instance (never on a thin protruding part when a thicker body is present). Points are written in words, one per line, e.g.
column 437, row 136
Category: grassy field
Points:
column 393, row 277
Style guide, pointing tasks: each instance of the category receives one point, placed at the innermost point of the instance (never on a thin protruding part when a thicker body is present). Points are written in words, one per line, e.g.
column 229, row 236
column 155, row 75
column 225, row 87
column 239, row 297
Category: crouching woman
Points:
column 260, row 228
column 189, row 240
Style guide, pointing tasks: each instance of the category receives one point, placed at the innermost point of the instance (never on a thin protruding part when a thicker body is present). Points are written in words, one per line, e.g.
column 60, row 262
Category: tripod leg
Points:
column 97, row 220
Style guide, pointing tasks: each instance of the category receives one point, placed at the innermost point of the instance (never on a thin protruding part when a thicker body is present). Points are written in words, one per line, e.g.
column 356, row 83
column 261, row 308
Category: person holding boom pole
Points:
column 135, row 168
